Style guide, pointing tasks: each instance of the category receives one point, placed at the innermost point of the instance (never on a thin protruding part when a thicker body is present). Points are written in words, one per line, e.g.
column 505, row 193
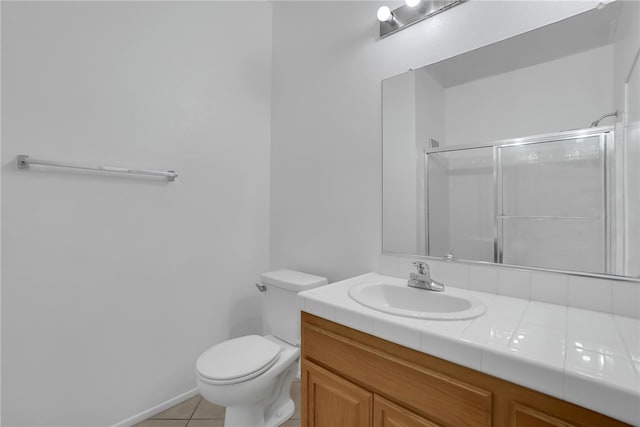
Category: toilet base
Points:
column 281, row 415
column 244, row 416
column 266, row 414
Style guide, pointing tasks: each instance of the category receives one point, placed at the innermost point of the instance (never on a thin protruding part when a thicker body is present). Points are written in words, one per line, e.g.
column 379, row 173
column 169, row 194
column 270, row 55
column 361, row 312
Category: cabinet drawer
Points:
column 523, row 416
column 388, row 414
column 444, row 400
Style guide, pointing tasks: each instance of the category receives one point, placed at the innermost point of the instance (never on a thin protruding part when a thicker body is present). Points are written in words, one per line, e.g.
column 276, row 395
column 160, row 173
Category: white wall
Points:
column 430, row 122
column 413, row 113
column 399, row 214
column 113, row 285
column 569, row 93
column 328, row 65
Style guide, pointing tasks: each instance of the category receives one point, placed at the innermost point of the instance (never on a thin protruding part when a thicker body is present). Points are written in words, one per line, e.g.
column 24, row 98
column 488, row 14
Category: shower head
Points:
column 597, row 122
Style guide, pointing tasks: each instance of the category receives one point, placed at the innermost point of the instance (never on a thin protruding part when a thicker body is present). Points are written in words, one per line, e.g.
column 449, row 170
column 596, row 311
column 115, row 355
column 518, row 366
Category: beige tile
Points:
column 162, row 423
column 208, row 411
column 295, row 395
column 181, row 411
column 291, row 423
column 206, row 423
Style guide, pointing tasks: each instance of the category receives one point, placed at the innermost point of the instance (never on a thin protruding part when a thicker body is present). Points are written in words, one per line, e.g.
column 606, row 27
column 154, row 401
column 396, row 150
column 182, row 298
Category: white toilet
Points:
column 251, row 376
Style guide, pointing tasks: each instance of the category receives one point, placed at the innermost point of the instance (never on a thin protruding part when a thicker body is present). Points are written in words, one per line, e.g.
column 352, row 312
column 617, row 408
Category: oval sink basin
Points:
column 417, row 303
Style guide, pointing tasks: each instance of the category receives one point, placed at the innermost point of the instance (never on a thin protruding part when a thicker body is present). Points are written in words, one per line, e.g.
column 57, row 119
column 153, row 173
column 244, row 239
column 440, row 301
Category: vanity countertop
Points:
column 585, row 357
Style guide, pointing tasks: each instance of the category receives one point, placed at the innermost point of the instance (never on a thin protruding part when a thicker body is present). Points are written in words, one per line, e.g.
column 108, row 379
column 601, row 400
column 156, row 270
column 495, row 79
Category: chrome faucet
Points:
column 422, row 279
column 451, row 256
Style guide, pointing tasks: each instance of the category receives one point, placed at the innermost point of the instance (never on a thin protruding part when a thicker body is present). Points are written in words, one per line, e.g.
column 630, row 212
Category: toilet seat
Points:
column 237, row 360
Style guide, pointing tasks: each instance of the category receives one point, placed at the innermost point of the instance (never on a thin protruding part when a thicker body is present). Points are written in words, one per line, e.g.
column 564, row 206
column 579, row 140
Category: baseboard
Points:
column 156, row 409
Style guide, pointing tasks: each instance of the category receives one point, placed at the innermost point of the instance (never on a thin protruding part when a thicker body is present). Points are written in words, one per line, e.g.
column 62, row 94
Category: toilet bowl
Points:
column 251, row 375
column 259, row 396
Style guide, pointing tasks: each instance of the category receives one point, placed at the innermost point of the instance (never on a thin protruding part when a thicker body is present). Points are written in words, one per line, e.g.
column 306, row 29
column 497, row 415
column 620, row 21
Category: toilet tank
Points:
column 280, row 312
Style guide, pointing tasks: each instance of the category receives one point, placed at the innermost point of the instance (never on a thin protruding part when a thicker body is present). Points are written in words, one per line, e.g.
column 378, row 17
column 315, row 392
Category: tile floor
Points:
column 197, row 412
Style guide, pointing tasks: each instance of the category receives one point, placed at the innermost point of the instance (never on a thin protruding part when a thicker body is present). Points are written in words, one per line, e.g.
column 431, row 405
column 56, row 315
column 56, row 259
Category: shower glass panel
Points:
column 551, row 204
column 548, row 201
column 460, row 203
column 554, row 243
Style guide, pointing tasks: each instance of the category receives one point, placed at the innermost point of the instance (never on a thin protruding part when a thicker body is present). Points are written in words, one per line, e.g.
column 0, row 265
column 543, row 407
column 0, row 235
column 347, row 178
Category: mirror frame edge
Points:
column 516, row 267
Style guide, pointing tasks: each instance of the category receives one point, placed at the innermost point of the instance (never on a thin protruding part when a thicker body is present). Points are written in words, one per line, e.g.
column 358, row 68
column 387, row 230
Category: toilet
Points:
column 251, row 375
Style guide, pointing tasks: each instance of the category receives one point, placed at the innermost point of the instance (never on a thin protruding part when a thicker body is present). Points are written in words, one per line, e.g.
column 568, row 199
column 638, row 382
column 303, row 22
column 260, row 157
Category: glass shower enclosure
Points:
column 543, row 201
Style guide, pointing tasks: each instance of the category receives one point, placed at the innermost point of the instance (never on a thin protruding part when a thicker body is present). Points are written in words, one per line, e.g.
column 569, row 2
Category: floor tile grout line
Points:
column 195, row 409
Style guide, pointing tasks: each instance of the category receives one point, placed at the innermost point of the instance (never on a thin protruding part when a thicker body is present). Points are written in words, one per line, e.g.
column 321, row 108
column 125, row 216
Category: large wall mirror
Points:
column 525, row 152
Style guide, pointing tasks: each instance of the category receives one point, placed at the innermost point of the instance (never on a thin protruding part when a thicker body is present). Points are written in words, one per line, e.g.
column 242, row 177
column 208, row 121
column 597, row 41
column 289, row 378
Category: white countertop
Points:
column 588, row 358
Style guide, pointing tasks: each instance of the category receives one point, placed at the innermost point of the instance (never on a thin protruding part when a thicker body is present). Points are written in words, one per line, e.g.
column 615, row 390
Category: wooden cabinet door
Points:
column 523, row 416
column 388, row 414
column 331, row 401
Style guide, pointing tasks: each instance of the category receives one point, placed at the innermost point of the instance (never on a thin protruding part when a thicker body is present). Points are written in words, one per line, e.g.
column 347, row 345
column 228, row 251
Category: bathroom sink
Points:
column 417, row 303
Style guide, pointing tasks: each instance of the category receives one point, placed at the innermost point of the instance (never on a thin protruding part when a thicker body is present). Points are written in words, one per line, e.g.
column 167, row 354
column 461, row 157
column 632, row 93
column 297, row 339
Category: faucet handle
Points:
column 423, row 267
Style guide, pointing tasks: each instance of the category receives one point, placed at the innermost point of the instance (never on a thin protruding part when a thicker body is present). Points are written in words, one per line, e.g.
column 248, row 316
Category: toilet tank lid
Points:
column 293, row 280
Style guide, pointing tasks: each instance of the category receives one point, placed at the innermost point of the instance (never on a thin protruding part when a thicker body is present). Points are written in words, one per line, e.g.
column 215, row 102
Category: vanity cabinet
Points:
column 353, row 379
column 334, row 401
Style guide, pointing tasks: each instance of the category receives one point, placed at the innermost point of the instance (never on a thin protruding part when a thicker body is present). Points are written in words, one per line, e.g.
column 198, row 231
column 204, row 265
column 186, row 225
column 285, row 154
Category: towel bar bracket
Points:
column 22, row 162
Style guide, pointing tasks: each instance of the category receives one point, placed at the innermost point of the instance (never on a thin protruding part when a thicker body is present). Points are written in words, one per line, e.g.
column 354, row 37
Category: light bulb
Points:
column 412, row 3
column 384, row 14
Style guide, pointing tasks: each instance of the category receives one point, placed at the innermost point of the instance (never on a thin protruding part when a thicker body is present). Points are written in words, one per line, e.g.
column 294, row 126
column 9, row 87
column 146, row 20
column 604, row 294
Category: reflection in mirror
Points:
column 460, row 203
column 552, row 211
column 512, row 153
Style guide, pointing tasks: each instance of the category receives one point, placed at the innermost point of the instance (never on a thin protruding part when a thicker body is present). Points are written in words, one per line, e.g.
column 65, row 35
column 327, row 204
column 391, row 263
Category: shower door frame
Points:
column 606, row 136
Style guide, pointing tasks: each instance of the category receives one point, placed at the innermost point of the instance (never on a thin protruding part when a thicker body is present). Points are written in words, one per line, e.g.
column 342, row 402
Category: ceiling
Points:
column 588, row 30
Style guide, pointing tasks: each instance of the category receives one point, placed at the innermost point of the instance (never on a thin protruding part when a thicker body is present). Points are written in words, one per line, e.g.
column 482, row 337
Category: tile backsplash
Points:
column 605, row 295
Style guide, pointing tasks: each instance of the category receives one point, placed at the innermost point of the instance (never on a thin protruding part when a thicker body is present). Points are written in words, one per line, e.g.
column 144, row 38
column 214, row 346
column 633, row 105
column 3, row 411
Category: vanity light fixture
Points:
column 385, row 14
column 413, row 11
